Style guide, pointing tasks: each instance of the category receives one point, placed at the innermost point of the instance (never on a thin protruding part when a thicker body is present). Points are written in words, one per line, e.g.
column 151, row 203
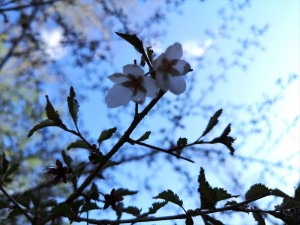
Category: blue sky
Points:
column 268, row 71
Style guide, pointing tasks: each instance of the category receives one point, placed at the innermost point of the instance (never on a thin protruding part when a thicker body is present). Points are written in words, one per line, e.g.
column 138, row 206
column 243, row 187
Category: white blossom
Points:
column 132, row 84
column 170, row 70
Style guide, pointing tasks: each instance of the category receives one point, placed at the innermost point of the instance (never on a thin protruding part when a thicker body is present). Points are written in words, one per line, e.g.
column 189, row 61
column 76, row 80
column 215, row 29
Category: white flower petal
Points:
column 133, row 69
column 118, row 78
column 177, row 85
column 118, row 96
column 139, row 97
column 157, row 62
column 150, row 86
column 174, row 51
column 162, row 81
column 182, row 67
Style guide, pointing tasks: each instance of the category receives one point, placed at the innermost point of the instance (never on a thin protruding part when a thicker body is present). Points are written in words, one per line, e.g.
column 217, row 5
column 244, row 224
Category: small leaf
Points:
column 5, row 164
column 170, row 196
column 145, row 136
column 257, row 190
column 93, row 192
column 88, row 206
column 279, row 193
column 181, row 142
column 225, row 139
column 211, row 220
column 222, row 194
column 228, row 203
column 206, row 192
column 124, row 192
column 258, row 217
column 132, row 210
column 189, row 220
column 106, row 134
column 156, row 206
column 79, row 144
column 212, row 122
column 41, row 125
column 63, row 209
column 67, row 159
column 52, row 114
column 11, row 169
column 133, row 40
column 73, row 105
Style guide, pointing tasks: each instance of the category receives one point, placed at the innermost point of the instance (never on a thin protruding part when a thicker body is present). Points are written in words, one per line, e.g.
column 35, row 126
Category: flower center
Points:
column 135, row 84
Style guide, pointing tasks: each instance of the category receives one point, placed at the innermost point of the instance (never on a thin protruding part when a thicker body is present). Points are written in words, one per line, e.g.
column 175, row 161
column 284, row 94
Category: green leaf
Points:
column 189, row 220
column 78, row 144
column 132, row 210
column 4, row 204
column 258, row 217
column 257, row 190
column 181, row 142
column 106, row 134
column 52, row 114
column 93, row 192
column 279, row 193
column 73, row 105
column 5, row 164
column 289, row 220
column 11, row 169
column 156, row 206
column 222, row 194
column 88, row 206
column 145, row 136
column 124, row 192
column 67, row 159
column 170, row 196
column 133, row 40
column 212, row 122
column 225, row 139
column 13, row 213
column 41, row 125
column 63, row 209
column 206, row 192
column 228, row 203
column 211, row 220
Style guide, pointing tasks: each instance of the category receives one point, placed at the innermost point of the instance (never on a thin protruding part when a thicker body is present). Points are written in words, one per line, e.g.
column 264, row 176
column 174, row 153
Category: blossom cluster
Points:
column 133, row 84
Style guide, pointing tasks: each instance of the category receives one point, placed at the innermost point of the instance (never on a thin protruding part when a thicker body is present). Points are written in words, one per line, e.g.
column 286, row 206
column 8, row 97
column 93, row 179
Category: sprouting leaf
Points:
column 106, row 134
column 225, row 139
column 73, row 105
column 257, row 190
column 189, row 220
column 132, row 210
column 170, row 196
column 181, row 142
column 133, row 40
column 88, row 206
column 78, row 144
column 67, row 159
column 123, row 192
column 42, row 124
column 156, row 206
column 145, row 136
column 212, row 122
column 63, row 209
column 52, row 114
column 258, row 217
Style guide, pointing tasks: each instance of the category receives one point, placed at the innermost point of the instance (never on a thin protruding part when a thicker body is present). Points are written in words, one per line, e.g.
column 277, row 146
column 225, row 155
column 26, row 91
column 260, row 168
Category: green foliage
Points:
column 170, row 196
column 259, row 218
column 145, row 136
column 124, row 192
column 156, row 206
column 257, row 190
column 63, row 209
column 67, row 159
column 51, row 113
column 78, row 144
column 208, row 220
column 88, row 206
column 212, row 122
column 106, row 134
column 132, row 210
column 210, row 196
column 73, row 105
column 133, row 40
column 225, row 139
column 189, row 220
column 41, row 125
column 7, row 169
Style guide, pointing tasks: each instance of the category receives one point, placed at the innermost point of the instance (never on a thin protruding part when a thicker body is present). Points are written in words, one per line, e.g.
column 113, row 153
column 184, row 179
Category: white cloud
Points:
column 52, row 43
column 192, row 49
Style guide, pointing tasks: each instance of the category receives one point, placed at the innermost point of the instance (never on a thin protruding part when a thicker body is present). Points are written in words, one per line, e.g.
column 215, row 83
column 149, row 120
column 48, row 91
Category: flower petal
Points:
column 174, row 51
column 162, row 81
column 118, row 78
column 117, row 96
column 139, row 97
column 182, row 67
column 177, row 85
column 133, row 69
column 150, row 86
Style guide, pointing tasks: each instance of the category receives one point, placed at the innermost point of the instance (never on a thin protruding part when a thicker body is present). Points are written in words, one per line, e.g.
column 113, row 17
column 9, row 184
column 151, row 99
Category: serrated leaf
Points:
column 225, row 139
column 51, row 113
column 106, row 134
column 222, row 194
column 145, row 136
column 73, row 105
column 170, row 196
column 132, row 210
column 133, row 40
column 67, row 159
column 124, row 192
column 78, row 144
column 212, row 122
column 41, row 125
column 63, row 209
column 206, row 192
column 279, row 193
column 156, row 206
column 88, row 206
column 258, row 217
column 257, row 190
column 228, row 203
column 189, row 220
column 212, row 221
column 4, row 164
column 289, row 220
